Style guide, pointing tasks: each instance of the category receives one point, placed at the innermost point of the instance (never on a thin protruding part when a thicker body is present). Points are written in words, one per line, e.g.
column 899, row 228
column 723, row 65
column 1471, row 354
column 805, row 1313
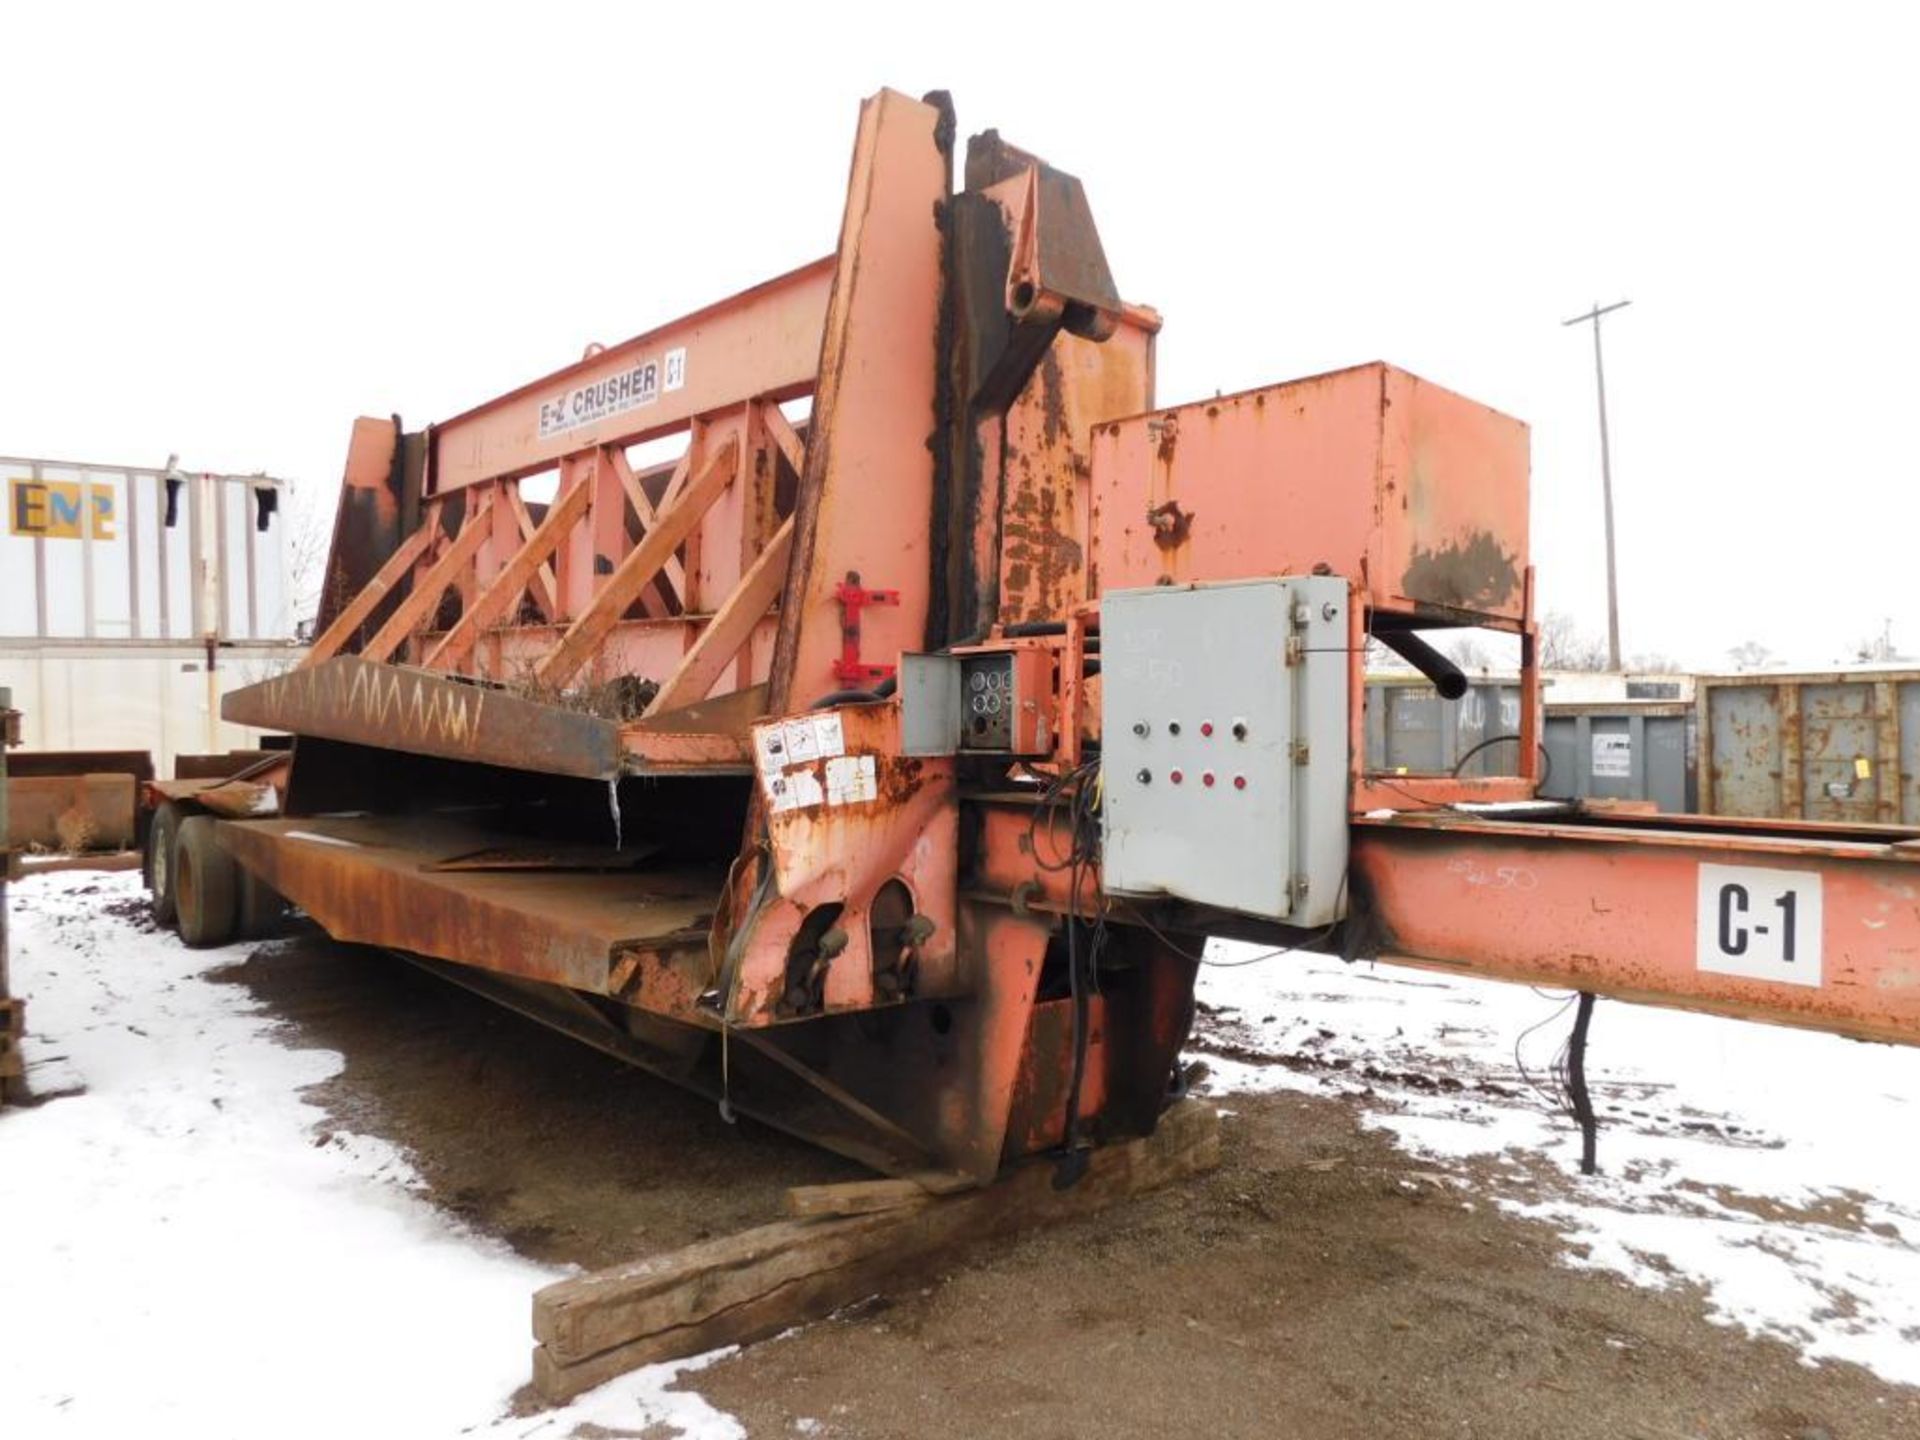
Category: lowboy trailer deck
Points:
column 880, row 763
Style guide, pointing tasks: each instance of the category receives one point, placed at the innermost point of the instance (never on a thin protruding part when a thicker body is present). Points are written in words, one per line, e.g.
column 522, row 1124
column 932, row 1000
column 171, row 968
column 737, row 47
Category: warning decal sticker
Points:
column 1613, row 756
column 803, row 763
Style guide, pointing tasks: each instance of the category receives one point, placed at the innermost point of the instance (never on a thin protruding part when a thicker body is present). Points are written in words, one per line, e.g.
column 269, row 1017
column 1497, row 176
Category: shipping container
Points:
column 1412, row 731
column 13, row 1067
column 161, row 698
column 1840, row 745
column 1622, row 750
column 132, row 599
column 8, row 722
column 1611, row 687
column 1599, row 750
column 117, row 552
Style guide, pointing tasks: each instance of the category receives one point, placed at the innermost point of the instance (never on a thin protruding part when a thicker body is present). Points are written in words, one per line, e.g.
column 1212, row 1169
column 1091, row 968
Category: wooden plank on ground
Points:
column 747, row 1286
column 13, row 1025
column 866, row 1197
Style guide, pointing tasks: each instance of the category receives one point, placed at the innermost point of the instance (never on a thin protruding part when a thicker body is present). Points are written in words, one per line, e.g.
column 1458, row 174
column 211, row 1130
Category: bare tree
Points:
column 1379, row 657
column 1749, row 655
column 1654, row 663
column 1564, row 646
column 1877, row 649
column 309, row 537
column 1469, row 652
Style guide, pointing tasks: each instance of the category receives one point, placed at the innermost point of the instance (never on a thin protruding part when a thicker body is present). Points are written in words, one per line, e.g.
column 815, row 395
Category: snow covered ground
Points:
column 1776, row 1169
column 198, row 1253
column 194, row 1252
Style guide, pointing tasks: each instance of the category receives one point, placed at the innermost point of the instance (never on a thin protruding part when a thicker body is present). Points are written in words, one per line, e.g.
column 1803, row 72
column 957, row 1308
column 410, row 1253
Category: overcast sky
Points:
column 228, row 231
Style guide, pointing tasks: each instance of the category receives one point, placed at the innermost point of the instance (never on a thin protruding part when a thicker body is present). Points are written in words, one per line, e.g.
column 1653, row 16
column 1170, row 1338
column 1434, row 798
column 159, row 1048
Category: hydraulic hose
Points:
column 1447, row 677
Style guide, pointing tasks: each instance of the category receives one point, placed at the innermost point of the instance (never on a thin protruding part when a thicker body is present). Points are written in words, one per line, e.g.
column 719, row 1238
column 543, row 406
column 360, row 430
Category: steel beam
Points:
column 1799, row 929
column 761, row 342
column 398, row 708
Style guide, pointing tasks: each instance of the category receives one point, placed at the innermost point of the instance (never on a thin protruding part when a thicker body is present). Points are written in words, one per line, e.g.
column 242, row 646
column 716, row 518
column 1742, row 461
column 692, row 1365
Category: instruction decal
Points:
column 829, row 735
column 850, row 779
column 803, row 763
column 1760, row 924
column 770, row 749
column 1613, row 756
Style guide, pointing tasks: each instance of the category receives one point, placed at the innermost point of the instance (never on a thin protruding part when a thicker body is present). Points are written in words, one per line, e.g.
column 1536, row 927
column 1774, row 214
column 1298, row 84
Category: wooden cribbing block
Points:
column 865, row 1197
column 759, row 1282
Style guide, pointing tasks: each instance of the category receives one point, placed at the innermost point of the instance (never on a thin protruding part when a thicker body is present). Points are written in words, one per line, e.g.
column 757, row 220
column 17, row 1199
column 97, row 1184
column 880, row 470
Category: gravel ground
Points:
column 1322, row 1283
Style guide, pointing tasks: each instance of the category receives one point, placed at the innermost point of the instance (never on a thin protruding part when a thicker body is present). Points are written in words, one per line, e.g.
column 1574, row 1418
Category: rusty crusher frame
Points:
column 878, row 767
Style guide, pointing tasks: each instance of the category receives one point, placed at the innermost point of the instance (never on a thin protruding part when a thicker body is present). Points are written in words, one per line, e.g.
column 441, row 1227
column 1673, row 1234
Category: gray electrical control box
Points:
column 1224, row 740
column 981, row 701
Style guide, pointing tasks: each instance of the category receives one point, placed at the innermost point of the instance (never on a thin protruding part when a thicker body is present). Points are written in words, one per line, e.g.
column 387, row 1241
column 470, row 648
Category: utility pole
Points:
column 1606, row 473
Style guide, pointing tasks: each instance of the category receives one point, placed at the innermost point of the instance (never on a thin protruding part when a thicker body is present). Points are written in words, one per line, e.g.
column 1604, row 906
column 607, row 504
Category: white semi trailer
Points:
column 132, row 599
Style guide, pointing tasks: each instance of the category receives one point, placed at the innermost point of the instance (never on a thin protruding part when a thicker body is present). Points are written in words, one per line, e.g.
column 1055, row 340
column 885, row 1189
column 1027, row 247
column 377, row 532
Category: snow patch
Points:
column 1768, row 1166
column 195, row 1253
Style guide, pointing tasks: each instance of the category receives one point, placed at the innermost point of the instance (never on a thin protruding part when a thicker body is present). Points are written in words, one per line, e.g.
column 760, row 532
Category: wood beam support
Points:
column 368, row 600
column 740, row 1288
column 413, row 612
column 785, row 436
column 673, row 575
column 729, row 629
column 545, row 589
column 527, row 562
column 677, row 515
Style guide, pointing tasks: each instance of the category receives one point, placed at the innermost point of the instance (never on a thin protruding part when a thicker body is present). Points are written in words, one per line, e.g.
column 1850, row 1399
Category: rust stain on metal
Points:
column 1053, row 402
column 384, row 701
column 1476, row 572
column 1043, row 555
column 367, row 703
column 900, row 779
column 1171, row 524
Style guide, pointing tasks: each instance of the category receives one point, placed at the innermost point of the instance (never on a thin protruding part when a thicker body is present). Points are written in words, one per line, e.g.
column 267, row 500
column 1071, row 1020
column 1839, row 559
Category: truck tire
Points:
column 205, row 883
column 159, row 861
column 261, row 907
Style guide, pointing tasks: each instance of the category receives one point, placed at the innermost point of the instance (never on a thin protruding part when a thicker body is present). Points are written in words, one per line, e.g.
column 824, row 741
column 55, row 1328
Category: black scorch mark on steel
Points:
column 1476, row 574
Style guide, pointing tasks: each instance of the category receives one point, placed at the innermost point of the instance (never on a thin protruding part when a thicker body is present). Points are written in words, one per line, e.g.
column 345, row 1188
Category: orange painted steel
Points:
column 507, row 585
column 370, row 521
column 732, row 624
column 360, row 608
column 763, row 342
column 1614, row 909
column 604, row 742
column 671, row 526
column 1415, row 493
column 430, row 587
column 866, row 498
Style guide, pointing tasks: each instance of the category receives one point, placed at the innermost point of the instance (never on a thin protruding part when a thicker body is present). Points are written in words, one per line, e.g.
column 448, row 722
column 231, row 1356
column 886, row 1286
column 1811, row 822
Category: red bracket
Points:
column 850, row 669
